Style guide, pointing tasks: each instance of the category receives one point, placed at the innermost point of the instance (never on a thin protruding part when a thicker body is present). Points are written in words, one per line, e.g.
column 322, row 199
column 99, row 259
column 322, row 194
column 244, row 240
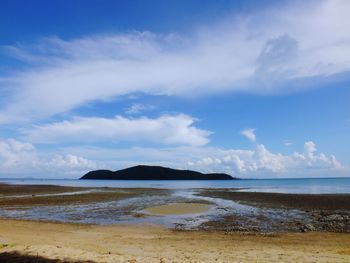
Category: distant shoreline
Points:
column 239, row 178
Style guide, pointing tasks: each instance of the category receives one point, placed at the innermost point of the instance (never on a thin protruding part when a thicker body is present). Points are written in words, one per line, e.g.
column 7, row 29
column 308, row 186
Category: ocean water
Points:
column 306, row 185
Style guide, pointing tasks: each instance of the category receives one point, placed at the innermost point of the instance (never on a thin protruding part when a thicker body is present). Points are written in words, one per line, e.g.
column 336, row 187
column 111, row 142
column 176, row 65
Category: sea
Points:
column 295, row 186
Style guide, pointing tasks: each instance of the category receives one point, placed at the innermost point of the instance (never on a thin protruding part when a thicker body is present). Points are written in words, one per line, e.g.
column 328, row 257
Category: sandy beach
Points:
column 149, row 243
column 307, row 228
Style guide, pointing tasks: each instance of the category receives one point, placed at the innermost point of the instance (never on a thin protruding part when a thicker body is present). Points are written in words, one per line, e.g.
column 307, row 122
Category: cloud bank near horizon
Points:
column 23, row 159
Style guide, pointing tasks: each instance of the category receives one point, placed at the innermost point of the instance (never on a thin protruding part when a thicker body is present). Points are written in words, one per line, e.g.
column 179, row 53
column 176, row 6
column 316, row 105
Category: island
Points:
column 145, row 172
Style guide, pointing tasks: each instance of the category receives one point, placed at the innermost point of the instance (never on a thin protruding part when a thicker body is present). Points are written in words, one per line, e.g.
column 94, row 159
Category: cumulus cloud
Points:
column 262, row 161
column 261, row 52
column 70, row 161
column 166, row 129
column 14, row 153
column 249, row 133
column 18, row 158
column 259, row 162
column 23, row 159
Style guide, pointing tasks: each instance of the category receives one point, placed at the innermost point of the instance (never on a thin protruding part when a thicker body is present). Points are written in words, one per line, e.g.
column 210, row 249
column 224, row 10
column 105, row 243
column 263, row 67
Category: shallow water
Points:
column 110, row 212
column 307, row 185
column 133, row 210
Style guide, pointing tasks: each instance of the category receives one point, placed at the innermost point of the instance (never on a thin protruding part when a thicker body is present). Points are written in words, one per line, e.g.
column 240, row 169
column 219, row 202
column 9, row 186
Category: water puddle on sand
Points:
column 183, row 208
column 178, row 209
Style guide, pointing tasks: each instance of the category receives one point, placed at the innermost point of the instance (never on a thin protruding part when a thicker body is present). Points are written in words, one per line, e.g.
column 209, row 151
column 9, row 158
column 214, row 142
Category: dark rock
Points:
column 307, row 228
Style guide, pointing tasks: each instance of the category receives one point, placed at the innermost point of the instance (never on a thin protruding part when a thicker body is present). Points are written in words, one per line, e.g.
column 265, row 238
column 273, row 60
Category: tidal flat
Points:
column 230, row 210
column 101, row 224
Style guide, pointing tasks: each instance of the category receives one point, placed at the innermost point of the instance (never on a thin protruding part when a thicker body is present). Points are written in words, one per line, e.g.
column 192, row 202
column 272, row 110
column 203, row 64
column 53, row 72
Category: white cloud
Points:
column 20, row 158
column 249, row 133
column 309, row 149
column 15, row 153
column 264, row 52
column 262, row 162
column 70, row 161
column 166, row 129
column 258, row 162
column 287, row 143
column 138, row 108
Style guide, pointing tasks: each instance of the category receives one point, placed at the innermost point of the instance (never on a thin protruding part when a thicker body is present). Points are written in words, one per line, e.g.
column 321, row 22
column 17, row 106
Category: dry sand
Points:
column 178, row 209
column 149, row 243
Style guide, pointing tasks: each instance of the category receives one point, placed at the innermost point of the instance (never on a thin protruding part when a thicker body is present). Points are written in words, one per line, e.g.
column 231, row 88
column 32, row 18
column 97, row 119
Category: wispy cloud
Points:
column 249, row 133
column 263, row 52
column 267, row 52
column 287, row 143
column 138, row 108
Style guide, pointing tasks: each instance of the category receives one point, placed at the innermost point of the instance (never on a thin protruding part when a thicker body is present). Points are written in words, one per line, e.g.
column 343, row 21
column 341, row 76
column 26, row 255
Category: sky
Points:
column 256, row 89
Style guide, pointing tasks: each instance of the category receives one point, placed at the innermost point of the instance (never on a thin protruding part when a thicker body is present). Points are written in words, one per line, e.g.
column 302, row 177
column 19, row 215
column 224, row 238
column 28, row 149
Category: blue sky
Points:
column 251, row 88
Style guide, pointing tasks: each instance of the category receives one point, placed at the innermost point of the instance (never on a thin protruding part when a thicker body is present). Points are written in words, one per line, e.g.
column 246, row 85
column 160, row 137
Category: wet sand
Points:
column 280, row 200
column 178, row 209
column 15, row 196
column 224, row 239
column 261, row 212
column 57, row 195
column 149, row 243
column 11, row 189
column 302, row 212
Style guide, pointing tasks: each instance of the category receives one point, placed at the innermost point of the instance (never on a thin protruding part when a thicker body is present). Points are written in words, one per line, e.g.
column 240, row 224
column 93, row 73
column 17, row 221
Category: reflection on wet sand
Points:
column 207, row 209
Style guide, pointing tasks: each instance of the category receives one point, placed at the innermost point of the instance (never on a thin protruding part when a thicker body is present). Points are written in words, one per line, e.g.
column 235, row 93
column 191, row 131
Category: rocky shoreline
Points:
column 288, row 212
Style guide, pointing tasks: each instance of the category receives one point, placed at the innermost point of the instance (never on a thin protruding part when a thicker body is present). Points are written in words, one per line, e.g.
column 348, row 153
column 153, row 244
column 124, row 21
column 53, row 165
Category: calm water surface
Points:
column 308, row 185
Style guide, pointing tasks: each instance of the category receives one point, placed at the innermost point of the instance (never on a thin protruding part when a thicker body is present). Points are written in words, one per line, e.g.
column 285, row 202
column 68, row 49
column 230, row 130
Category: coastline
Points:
column 231, row 226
